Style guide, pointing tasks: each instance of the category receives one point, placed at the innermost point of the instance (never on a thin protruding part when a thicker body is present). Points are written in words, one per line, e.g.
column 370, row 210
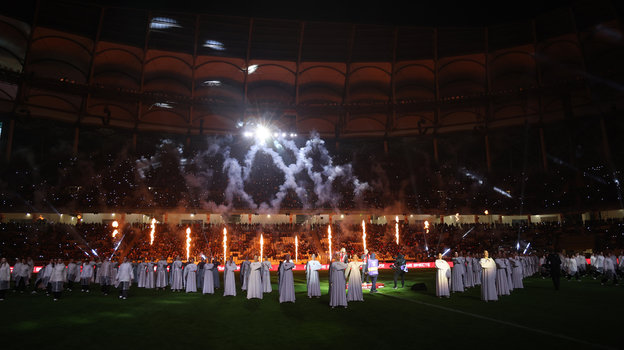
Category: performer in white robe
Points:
column 337, row 296
column 502, row 286
column 177, row 280
column 517, row 273
column 85, row 276
column 608, row 272
column 150, row 275
column 190, row 276
column 509, row 273
column 571, row 268
column 476, row 271
column 208, row 287
column 105, row 275
column 468, row 275
column 47, row 273
column 5, row 277
column 244, row 274
column 353, row 275
column 124, row 278
column 488, row 278
column 215, row 273
column 266, row 276
column 312, row 277
column 443, row 273
column 72, row 271
column 254, row 281
column 22, row 273
column 287, row 281
column 581, row 264
column 141, row 274
column 17, row 275
column 161, row 274
column 457, row 273
column 58, row 278
column 229, row 281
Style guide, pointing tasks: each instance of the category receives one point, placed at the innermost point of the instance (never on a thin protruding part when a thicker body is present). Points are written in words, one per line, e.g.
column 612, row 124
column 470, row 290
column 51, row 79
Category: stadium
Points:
column 145, row 131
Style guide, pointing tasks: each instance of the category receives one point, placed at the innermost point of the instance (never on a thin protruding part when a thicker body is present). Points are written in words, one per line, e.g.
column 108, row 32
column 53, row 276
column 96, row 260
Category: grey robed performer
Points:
column 286, row 281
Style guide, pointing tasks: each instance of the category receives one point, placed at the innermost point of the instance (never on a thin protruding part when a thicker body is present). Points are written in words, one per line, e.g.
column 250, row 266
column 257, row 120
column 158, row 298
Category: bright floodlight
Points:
column 247, row 134
column 252, row 68
column 211, row 83
column 215, row 45
column 262, row 133
column 164, row 23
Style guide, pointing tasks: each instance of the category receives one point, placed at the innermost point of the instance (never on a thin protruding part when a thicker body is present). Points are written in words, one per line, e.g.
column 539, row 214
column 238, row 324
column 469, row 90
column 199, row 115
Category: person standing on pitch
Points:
column 58, row 278
column 287, row 282
column 72, row 271
column 457, row 273
column 488, row 278
column 177, row 277
column 208, row 282
column 400, row 267
column 105, row 275
column 337, row 295
column 365, row 258
column 85, row 276
column 190, row 276
column 161, row 274
column 254, row 281
column 312, row 277
column 373, row 271
column 554, row 261
column 229, row 281
column 244, row 273
column 124, row 276
column 215, row 272
column 442, row 277
column 352, row 274
column 200, row 273
column 266, row 276
column 5, row 277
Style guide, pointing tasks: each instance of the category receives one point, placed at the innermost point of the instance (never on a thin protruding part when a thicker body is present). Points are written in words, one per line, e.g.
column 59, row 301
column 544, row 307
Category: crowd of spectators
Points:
column 43, row 241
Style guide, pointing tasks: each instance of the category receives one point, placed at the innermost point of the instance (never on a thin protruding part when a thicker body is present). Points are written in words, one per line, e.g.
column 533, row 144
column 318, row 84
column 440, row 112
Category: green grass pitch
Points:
column 580, row 315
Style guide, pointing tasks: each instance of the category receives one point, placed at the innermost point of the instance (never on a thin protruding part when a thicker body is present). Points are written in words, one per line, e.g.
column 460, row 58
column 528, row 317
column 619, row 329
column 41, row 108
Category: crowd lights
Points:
column 263, row 134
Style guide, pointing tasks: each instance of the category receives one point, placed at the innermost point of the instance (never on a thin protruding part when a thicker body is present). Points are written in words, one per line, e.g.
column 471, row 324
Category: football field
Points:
column 581, row 315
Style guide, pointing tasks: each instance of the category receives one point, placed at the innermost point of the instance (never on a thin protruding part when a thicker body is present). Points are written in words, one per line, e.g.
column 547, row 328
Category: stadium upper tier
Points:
column 201, row 73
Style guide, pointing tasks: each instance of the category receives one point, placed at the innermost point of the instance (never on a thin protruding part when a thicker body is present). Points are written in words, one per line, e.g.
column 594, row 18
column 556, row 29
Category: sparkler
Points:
column 363, row 234
column 329, row 237
column 224, row 245
column 446, row 251
column 296, row 249
column 153, row 231
column 188, row 242
column 115, row 225
column 261, row 246
column 396, row 229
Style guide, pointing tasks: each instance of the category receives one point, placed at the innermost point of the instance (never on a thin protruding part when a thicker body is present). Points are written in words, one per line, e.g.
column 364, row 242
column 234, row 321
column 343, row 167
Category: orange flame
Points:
column 364, row 233
column 261, row 246
column 329, row 237
column 188, row 243
column 115, row 225
column 224, row 245
column 153, row 231
column 396, row 229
